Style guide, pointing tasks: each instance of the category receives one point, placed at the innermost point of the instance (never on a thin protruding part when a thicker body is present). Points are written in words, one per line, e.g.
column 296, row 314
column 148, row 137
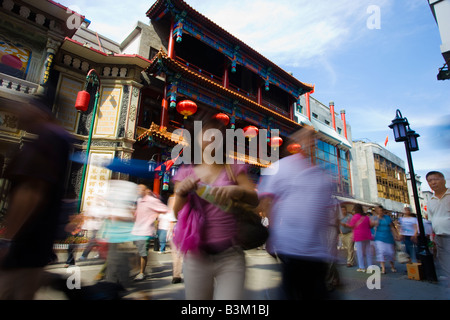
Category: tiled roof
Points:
column 158, row 9
column 162, row 135
column 184, row 70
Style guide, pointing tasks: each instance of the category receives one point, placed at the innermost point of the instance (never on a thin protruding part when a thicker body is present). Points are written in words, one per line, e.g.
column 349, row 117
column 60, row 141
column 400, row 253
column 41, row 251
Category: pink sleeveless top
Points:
column 220, row 226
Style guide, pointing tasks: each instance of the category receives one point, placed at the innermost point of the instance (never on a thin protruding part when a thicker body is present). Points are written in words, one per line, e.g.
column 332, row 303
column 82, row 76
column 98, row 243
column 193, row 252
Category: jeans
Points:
column 410, row 248
column 162, row 236
column 364, row 252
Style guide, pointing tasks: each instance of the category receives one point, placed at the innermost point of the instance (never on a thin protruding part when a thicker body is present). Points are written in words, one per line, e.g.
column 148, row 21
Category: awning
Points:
column 355, row 201
column 331, row 134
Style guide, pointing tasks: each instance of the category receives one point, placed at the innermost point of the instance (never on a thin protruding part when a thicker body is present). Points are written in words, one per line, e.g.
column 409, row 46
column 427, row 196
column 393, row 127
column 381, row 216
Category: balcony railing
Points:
column 219, row 80
column 16, row 84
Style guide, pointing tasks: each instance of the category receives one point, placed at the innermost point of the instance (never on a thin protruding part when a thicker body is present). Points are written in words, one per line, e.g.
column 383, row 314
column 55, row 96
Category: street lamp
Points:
column 82, row 104
column 402, row 132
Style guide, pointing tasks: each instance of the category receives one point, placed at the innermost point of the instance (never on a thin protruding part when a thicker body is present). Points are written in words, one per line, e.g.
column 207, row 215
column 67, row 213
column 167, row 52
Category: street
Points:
column 262, row 281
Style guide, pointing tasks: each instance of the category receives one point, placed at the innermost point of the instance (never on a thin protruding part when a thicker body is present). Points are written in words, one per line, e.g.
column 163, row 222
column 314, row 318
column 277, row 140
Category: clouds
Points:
column 292, row 33
column 114, row 20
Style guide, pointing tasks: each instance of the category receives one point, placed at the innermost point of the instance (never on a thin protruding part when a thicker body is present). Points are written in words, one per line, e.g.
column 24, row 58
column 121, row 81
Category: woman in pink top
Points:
column 218, row 270
column 362, row 236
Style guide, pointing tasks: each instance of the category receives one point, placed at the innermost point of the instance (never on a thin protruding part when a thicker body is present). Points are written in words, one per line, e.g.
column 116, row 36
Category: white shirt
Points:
column 164, row 220
column 439, row 213
column 408, row 226
column 300, row 217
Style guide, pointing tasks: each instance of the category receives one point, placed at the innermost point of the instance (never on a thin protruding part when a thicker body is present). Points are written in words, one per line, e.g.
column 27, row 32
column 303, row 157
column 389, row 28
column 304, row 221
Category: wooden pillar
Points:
column 156, row 179
column 164, row 121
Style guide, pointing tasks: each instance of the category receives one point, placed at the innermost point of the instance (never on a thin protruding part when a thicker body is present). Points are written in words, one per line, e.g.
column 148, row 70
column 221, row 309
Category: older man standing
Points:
column 439, row 215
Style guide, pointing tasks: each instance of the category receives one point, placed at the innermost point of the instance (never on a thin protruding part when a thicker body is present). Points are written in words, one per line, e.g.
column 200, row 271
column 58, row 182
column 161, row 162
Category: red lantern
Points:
column 275, row 142
column 82, row 102
column 251, row 132
column 294, row 148
column 223, row 117
column 186, row 108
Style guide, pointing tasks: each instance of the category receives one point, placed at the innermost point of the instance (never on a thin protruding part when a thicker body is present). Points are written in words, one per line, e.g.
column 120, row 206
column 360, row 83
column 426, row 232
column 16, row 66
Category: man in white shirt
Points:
column 439, row 215
column 299, row 220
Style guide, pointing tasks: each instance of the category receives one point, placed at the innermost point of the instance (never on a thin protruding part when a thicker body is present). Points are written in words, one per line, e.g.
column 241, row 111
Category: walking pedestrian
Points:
column 94, row 216
column 147, row 211
column 37, row 174
column 408, row 233
column 362, row 236
column 439, row 215
column 217, row 270
column 177, row 256
column 385, row 236
column 347, row 235
column 300, row 220
column 121, row 198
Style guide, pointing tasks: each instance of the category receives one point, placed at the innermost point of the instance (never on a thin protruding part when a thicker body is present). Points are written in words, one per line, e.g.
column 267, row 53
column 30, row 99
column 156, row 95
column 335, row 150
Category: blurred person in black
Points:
column 37, row 175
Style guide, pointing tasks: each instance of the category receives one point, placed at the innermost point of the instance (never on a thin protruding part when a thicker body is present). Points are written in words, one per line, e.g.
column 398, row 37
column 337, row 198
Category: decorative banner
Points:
column 47, row 67
column 67, row 114
column 96, row 182
column 108, row 113
column 14, row 59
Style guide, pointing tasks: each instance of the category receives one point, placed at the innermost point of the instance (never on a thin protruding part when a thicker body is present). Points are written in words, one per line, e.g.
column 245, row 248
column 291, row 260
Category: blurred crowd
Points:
column 293, row 197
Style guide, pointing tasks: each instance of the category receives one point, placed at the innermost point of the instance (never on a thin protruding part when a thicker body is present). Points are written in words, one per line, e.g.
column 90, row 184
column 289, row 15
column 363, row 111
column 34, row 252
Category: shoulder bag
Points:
column 251, row 233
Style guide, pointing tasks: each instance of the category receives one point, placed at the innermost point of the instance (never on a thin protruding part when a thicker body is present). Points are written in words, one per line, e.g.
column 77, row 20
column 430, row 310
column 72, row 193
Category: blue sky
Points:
column 369, row 72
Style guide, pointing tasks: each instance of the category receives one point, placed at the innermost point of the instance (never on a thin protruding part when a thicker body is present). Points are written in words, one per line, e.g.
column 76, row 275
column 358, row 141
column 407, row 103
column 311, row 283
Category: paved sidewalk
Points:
column 262, row 282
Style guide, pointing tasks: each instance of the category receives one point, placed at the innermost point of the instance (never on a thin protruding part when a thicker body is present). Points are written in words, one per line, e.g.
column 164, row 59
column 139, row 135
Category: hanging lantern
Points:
column 223, row 117
column 275, row 142
column 294, row 148
column 186, row 108
column 250, row 132
column 82, row 102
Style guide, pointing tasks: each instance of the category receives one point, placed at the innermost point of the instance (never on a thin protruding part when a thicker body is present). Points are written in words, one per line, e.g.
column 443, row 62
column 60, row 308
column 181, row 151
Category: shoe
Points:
column 97, row 256
column 139, row 277
column 99, row 277
column 82, row 258
column 361, row 270
column 349, row 265
column 393, row 270
column 177, row 280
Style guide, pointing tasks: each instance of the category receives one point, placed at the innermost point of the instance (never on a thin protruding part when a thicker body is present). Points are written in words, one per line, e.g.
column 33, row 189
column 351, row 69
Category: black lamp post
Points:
column 402, row 132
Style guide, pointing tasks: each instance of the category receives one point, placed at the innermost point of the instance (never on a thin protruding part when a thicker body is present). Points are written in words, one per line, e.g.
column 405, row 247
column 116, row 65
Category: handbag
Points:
column 251, row 233
column 401, row 255
column 189, row 225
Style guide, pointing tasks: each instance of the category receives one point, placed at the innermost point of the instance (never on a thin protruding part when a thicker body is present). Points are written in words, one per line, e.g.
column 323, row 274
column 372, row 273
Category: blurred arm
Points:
column 26, row 198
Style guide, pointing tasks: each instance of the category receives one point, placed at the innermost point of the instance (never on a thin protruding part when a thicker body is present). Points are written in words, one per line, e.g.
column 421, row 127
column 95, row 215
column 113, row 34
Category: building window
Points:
column 153, row 53
column 336, row 162
column 327, row 122
column 390, row 184
column 315, row 115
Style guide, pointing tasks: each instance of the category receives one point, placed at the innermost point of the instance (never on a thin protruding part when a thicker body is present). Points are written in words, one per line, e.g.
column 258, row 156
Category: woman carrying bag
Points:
column 216, row 269
column 385, row 236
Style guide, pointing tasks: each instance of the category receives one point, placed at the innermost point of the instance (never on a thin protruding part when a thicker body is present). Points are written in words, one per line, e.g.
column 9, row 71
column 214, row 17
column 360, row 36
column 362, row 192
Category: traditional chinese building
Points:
column 221, row 74
column 180, row 55
column 31, row 33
